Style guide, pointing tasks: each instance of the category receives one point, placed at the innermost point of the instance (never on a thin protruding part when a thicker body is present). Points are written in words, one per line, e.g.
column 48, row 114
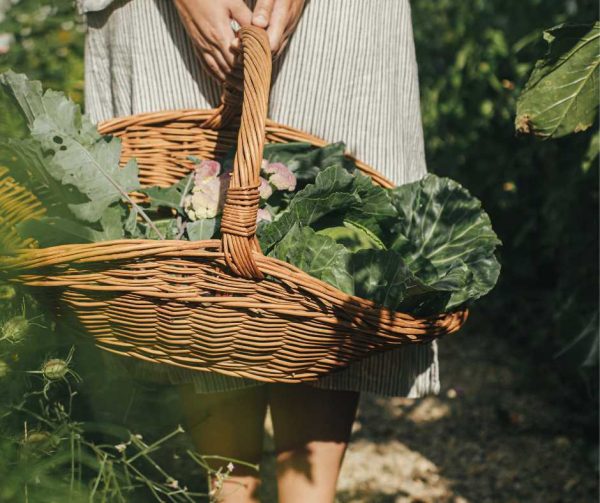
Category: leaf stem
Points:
column 120, row 189
column 180, row 224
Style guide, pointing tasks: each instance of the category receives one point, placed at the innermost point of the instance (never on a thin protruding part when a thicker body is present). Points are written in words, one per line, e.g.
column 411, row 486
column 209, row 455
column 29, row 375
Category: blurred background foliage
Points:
column 44, row 39
column 474, row 58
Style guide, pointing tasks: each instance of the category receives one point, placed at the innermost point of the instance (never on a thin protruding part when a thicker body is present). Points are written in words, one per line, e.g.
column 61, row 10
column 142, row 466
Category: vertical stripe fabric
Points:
column 349, row 74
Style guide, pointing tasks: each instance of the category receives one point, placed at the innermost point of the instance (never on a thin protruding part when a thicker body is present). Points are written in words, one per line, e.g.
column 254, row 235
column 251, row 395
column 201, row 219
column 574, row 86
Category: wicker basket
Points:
column 217, row 305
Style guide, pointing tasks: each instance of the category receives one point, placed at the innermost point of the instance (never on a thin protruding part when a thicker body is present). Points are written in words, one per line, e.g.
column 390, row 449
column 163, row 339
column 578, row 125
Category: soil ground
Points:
column 501, row 430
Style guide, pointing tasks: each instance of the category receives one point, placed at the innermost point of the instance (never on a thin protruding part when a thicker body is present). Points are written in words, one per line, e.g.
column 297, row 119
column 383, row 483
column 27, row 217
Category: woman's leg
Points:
column 311, row 429
column 229, row 424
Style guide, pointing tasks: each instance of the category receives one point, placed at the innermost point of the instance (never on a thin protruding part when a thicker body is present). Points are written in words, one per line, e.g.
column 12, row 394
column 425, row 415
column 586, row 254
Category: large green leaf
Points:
column 202, row 229
column 445, row 238
column 561, row 96
column 377, row 275
column 81, row 158
column 383, row 277
column 28, row 165
column 167, row 197
column 337, row 195
column 331, row 192
column 52, row 231
column 320, row 256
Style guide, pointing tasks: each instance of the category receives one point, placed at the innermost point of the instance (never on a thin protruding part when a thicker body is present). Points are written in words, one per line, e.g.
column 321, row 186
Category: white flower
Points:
column 230, row 467
column 207, row 198
column 265, row 190
column 172, row 483
column 121, row 447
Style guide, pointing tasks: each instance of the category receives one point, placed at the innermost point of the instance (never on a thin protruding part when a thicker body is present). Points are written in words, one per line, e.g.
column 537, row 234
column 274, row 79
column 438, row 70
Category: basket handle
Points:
column 238, row 224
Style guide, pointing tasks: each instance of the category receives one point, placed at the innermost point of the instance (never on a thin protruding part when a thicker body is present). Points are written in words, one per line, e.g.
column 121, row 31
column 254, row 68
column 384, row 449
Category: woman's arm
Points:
column 208, row 23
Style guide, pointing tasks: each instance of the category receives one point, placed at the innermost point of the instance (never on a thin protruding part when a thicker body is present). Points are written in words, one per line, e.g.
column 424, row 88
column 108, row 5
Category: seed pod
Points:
column 15, row 329
column 39, row 441
column 7, row 292
column 37, row 437
column 4, row 369
column 55, row 369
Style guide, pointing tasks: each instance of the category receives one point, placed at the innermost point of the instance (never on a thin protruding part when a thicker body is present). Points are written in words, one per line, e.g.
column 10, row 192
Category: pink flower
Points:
column 265, row 190
column 281, row 176
column 270, row 168
column 206, row 170
column 263, row 215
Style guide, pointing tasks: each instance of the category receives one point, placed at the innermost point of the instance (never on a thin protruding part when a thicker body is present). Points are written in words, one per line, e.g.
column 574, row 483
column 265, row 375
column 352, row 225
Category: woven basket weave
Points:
column 217, row 305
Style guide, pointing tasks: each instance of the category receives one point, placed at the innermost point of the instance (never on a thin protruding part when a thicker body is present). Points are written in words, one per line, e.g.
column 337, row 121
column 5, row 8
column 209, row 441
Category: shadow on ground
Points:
column 501, row 430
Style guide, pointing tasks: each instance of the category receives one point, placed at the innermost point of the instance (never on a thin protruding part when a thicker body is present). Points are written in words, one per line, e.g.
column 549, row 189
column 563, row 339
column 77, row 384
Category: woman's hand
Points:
column 280, row 18
column 208, row 23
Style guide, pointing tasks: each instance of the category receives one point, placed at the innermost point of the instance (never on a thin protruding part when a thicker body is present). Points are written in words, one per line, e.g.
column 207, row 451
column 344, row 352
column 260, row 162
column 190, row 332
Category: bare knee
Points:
column 312, row 428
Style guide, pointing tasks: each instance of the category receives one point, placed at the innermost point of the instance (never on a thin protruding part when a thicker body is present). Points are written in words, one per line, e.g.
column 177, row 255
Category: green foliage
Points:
column 445, row 238
column 561, row 96
column 45, row 41
column 77, row 153
column 353, row 236
column 58, row 154
column 67, row 415
column 318, row 255
column 425, row 246
column 335, row 191
column 474, row 59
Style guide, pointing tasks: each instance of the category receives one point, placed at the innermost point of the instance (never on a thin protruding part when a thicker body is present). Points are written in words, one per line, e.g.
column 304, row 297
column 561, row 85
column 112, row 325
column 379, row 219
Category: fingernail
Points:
column 260, row 19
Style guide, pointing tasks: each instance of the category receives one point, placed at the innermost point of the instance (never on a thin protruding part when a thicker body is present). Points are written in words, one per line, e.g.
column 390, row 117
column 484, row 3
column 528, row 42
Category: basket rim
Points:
column 134, row 249
column 199, row 115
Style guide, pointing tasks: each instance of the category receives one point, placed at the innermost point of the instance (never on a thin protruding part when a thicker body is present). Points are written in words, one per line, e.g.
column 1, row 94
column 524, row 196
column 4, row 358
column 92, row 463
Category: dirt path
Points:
column 492, row 435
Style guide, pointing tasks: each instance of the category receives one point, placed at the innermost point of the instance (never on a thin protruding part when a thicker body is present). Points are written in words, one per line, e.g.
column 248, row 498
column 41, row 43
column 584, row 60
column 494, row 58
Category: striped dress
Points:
column 349, row 74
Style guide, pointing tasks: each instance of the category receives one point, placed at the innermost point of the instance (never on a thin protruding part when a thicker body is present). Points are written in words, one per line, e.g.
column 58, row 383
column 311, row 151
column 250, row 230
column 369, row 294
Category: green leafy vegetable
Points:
column 445, row 238
column 353, row 236
column 332, row 191
column 422, row 248
column 338, row 194
column 561, row 96
column 167, row 197
column 67, row 163
column 81, row 158
column 201, row 229
column 441, row 244
column 307, row 161
column 318, row 255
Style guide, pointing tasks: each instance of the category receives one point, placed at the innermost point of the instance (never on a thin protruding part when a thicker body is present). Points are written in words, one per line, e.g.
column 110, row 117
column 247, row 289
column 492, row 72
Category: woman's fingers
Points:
column 209, row 25
column 240, row 12
column 213, row 67
column 224, row 38
column 277, row 26
column 262, row 13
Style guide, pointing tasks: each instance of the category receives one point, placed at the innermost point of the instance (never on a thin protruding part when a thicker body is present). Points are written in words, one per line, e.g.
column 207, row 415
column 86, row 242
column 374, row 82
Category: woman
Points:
column 348, row 74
